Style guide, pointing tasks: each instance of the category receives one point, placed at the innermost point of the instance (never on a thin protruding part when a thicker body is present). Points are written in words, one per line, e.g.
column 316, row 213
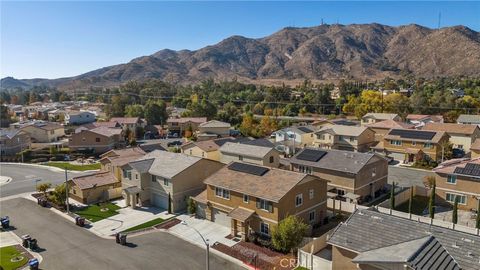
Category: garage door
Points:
column 160, row 201
column 221, row 218
column 397, row 156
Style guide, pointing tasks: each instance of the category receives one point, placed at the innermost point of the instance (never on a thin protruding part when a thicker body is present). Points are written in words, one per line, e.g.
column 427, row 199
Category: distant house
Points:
column 129, row 123
column 461, row 136
column 475, row 149
column 383, row 127
column 13, row 141
column 300, row 135
column 351, row 175
column 44, row 132
column 164, row 179
column 213, row 129
column 113, row 160
column 358, row 139
column 371, row 118
column 469, row 119
column 98, row 140
column 261, row 155
column 99, row 187
column 79, row 117
column 459, row 178
column 419, row 120
column 208, row 149
column 181, row 124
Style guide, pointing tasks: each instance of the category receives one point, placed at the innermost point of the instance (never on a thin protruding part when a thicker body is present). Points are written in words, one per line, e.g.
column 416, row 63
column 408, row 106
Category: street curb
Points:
column 51, row 168
column 212, row 250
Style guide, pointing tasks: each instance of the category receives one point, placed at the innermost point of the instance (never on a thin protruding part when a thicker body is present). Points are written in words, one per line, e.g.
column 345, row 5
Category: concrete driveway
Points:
column 407, row 177
column 66, row 246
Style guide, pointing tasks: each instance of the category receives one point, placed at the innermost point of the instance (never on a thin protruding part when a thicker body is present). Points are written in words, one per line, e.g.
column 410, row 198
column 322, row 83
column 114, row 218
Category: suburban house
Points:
column 213, row 129
column 79, row 117
column 469, row 119
column 383, row 127
column 13, row 141
column 371, row 240
column 410, row 145
column 475, row 149
column 260, row 155
column 98, row 187
column 45, row 132
column 419, row 120
column 98, row 140
column 252, row 200
column 208, row 149
column 462, row 136
column 181, row 124
column 129, row 123
column 93, row 125
column 299, row 135
column 358, row 139
column 371, row 118
column 459, row 178
column 113, row 160
column 164, row 179
column 352, row 176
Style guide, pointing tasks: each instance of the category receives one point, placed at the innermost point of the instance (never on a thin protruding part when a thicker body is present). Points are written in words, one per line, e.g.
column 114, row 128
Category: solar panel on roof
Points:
column 305, row 129
column 469, row 169
column 413, row 134
column 311, row 155
column 248, row 168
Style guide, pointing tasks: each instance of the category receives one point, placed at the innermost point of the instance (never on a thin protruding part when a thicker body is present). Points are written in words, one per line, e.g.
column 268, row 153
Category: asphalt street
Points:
column 24, row 178
column 65, row 246
column 406, row 177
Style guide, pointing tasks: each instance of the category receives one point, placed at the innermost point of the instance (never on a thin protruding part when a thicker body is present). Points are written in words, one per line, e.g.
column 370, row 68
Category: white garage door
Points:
column 221, row 218
column 160, row 201
column 397, row 156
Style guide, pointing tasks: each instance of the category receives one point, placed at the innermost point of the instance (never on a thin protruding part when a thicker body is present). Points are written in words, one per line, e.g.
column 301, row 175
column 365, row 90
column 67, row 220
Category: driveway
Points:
column 406, row 177
column 24, row 176
column 66, row 246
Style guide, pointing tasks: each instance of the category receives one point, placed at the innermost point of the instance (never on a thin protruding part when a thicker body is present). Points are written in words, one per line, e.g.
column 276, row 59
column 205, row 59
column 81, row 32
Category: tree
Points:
column 248, row 125
column 410, row 201
column 455, row 211
column 155, row 112
column 392, row 197
column 431, row 202
column 258, row 108
column 43, row 187
column 58, row 195
column 135, row 110
column 4, row 116
column 192, row 207
column 116, row 107
column 288, row 234
column 397, row 103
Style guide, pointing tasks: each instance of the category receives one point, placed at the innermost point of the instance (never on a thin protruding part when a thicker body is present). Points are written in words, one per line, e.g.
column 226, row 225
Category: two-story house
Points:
column 261, row 155
column 213, row 129
column 301, row 136
column 44, row 132
column 459, row 178
column 98, row 140
column 129, row 123
column 371, row 118
column 79, row 117
column 208, row 149
column 252, row 199
column 164, row 179
column 462, row 136
column 419, row 120
column 362, row 176
column 13, row 141
column 383, row 127
column 410, row 145
column 358, row 139
column 181, row 124
column 113, row 160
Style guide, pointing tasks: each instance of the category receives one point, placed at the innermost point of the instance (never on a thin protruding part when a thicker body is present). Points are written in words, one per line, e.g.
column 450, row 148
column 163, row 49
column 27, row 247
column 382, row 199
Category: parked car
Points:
column 172, row 135
column 458, row 153
column 174, row 143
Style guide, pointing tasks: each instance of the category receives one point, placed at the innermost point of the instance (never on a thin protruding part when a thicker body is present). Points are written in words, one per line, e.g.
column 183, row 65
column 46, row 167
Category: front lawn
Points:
column 94, row 213
column 74, row 167
column 9, row 253
column 419, row 204
column 147, row 224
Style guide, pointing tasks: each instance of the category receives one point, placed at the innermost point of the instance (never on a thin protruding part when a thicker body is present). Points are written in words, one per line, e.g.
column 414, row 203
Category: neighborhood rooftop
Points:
column 451, row 128
column 381, row 115
column 245, row 149
column 415, row 135
column 94, row 180
column 343, row 130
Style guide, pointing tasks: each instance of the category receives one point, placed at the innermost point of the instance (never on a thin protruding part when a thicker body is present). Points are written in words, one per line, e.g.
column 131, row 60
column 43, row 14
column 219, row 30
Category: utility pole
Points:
column 66, row 190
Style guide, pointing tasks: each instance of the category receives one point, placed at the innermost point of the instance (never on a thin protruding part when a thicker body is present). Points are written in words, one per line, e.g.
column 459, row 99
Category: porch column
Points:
column 233, row 227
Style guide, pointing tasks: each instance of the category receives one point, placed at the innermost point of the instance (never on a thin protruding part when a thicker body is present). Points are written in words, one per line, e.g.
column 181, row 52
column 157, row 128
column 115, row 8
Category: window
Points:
column 322, row 137
column 246, row 198
column 190, row 152
column 340, row 138
column 305, row 169
column 298, row 200
column 395, row 142
column 460, row 146
column 311, row 216
column 272, row 159
column 222, row 193
column 127, row 174
column 165, row 182
column 340, row 192
column 452, row 179
column 203, row 154
column 311, row 193
column 427, row 145
column 83, row 139
column 352, row 139
column 264, row 228
column 265, row 205
column 154, row 178
column 374, row 172
column 240, row 157
column 462, row 199
column 97, row 139
column 136, row 176
column 414, row 143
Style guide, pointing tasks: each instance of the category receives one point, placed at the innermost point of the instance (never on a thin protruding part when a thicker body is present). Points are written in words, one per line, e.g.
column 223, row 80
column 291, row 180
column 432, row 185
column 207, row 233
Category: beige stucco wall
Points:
column 44, row 136
column 222, row 131
column 435, row 152
column 87, row 139
column 469, row 188
column 226, row 158
column 196, row 151
column 464, row 140
column 342, row 259
column 10, row 147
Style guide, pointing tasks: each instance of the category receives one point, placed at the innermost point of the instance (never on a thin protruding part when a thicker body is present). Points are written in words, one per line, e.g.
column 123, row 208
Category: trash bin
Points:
column 32, row 244
column 76, row 220
column 43, row 202
column 25, row 239
column 5, row 222
column 123, row 239
column 117, row 238
column 33, row 263
column 81, row 221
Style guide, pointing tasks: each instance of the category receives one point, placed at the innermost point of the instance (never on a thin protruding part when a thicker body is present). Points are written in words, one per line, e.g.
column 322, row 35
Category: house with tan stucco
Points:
column 462, row 136
column 251, row 153
column 341, row 137
column 44, row 132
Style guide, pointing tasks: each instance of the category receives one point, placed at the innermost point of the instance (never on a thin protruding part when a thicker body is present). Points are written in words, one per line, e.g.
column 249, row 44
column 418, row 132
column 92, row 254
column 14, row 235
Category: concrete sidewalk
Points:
column 8, row 238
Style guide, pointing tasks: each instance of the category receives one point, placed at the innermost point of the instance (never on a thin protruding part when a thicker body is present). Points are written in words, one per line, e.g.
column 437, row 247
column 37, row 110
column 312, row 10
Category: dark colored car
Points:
column 458, row 153
column 174, row 143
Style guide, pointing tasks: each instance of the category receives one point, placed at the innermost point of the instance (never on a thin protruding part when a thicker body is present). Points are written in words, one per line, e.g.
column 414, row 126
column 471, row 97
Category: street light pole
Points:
column 205, row 241
column 66, row 190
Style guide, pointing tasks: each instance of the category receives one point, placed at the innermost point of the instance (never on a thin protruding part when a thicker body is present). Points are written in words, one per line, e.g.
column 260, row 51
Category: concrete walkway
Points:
column 212, row 231
column 8, row 238
column 4, row 180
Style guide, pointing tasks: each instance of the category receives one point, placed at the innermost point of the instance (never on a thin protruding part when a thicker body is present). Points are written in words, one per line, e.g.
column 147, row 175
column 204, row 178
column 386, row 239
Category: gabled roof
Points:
column 299, row 129
column 215, row 124
column 9, row 133
column 452, row 128
column 469, row 118
column 388, row 124
column 457, row 166
column 105, row 131
column 271, row 186
column 198, row 120
column 245, row 149
column 94, row 180
column 420, row 117
column 337, row 160
column 125, row 120
column 48, row 126
column 381, row 116
column 367, row 230
column 343, row 130
column 438, row 135
column 120, row 157
column 163, row 163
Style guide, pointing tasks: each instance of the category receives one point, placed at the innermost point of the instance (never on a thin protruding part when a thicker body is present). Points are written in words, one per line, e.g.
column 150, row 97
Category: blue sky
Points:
column 57, row 39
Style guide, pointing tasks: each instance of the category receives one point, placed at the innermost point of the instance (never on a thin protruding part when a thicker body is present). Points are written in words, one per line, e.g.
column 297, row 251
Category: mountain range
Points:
column 320, row 53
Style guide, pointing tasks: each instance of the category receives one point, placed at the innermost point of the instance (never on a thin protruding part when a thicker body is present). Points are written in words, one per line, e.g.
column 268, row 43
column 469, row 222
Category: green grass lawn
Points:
column 147, row 224
column 418, row 205
column 85, row 167
column 93, row 213
column 6, row 254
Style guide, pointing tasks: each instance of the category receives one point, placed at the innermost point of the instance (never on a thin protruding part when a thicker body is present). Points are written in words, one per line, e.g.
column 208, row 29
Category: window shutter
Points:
column 258, row 203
